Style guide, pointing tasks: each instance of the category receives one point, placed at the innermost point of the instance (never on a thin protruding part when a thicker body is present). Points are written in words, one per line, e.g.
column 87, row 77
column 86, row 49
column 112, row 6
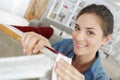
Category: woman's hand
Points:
column 66, row 71
column 33, row 42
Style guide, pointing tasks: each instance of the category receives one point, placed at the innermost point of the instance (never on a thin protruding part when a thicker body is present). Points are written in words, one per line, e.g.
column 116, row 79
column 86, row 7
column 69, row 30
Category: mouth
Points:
column 80, row 45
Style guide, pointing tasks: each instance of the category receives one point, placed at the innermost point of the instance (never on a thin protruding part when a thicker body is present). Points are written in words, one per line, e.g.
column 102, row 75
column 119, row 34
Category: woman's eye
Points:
column 90, row 33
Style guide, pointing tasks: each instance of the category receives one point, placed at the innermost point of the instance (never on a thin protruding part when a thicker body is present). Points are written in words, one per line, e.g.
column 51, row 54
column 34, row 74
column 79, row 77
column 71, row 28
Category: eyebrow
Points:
column 90, row 28
column 77, row 24
column 87, row 27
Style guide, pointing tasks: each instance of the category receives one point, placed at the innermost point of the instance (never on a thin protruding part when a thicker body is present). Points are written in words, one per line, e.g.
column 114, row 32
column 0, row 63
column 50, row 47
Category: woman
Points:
column 93, row 29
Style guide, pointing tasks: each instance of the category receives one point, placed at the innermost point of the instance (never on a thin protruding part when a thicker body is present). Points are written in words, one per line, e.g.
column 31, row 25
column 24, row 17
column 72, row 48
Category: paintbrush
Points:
column 17, row 34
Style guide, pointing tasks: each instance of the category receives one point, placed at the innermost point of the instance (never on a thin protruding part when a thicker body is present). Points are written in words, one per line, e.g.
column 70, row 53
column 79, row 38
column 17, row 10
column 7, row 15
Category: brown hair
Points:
column 107, row 21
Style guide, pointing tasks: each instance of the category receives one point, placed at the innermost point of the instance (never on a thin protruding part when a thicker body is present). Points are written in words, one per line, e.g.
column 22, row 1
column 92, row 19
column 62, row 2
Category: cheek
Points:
column 74, row 34
column 96, row 43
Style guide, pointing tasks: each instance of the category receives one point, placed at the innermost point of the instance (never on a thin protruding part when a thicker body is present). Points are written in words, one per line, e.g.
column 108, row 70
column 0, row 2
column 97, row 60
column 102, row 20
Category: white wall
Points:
column 18, row 7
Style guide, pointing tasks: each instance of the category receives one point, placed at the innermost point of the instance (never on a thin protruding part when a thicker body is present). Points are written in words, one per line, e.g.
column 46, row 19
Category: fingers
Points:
column 67, row 71
column 33, row 42
column 28, row 42
column 62, row 71
column 38, row 46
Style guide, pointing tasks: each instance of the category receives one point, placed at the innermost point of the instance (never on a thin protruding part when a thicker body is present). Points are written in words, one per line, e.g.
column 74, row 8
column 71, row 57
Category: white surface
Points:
column 18, row 7
column 12, row 19
column 35, row 66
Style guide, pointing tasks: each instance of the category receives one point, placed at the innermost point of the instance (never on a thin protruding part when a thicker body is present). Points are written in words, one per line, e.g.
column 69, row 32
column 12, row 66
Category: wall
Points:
column 18, row 7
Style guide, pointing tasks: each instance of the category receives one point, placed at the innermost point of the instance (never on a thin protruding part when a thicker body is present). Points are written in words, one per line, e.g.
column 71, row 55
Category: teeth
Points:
column 81, row 45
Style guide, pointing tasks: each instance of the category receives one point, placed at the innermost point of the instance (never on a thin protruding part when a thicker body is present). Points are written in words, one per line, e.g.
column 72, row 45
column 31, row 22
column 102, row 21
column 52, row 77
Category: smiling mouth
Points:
column 80, row 45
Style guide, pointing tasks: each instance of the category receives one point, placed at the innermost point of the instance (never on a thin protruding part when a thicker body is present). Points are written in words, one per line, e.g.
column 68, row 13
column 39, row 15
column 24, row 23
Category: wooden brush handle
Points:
column 9, row 32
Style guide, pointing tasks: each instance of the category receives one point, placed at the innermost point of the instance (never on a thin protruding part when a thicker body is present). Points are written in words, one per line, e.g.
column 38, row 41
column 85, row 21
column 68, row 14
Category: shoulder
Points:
column 64, row 42
column 98, row 70
column 64, row 46
column 101, row 75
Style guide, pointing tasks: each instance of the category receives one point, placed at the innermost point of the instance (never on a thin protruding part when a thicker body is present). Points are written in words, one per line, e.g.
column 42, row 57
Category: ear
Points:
column 107, row 39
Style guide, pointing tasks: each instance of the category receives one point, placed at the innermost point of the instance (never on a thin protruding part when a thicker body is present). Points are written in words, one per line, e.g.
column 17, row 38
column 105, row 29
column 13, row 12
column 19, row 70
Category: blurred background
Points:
column 61, row 16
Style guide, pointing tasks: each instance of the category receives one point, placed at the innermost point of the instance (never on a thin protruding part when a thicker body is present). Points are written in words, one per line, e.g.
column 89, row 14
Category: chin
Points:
column 78, row 52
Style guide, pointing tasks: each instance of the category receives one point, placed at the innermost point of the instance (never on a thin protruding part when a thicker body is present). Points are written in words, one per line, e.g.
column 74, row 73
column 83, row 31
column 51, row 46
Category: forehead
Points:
column 89, row 20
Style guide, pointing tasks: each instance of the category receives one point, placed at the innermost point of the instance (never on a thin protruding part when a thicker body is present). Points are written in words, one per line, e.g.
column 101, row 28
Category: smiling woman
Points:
column 93, row 29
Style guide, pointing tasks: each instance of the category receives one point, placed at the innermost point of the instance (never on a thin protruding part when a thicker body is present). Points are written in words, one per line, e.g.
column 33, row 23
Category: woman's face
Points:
column 88, row 35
